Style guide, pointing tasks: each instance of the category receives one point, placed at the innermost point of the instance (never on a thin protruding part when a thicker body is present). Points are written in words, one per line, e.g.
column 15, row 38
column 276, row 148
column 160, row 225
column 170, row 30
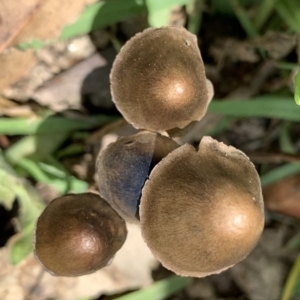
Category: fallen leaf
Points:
column 51, row 60
column 14, row 15
column 234, row 50
column 35, row 19
column 277, row 44
column 284, row 196
column 14, row 65
column 66, row 90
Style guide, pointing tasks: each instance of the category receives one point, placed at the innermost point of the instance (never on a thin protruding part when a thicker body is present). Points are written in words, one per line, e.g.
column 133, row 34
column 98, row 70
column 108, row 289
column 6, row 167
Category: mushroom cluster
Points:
column 200, row 210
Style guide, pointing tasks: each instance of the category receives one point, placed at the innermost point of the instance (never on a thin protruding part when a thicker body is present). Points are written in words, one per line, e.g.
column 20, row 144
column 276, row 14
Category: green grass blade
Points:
column 50, row 125
column 297, row 88
column 279, row 173
column 37, row 146
column 285, row 141
column 243, row 18
column 106, row 13
column 159, row 18
column 102, row 14
column 288, row 15
column 268, row 107
column 264, row 10
column 30, row 208
column 22, row 244
column 159, row 290
column 44, row 173
column 287, row 293
column 194, row 11
column 286, row 65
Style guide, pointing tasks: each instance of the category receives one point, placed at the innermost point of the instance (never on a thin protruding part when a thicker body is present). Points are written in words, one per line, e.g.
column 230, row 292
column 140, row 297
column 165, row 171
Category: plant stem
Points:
column 288, row 288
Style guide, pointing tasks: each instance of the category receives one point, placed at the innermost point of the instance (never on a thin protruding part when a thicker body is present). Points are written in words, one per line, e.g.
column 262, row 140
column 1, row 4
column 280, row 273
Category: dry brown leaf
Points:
column 65, row 91
column 48, row 22
column 11, row 109
column 277, row 44
column 284, row 196
column 35, row 19
column 51, row 60
column 14, row 65
column 14, row 15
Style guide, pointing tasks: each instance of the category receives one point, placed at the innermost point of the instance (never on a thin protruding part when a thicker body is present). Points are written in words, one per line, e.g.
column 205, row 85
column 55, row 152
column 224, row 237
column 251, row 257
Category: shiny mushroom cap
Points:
column 77, row 235
column 202, row 212
column 158, row 81
column 124, row 166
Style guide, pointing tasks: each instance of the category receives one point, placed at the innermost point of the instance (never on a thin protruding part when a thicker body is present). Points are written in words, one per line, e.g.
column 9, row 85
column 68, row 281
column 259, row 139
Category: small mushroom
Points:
column 77, row 235
column 158, row 80
column 202, row 212
column 124, row 166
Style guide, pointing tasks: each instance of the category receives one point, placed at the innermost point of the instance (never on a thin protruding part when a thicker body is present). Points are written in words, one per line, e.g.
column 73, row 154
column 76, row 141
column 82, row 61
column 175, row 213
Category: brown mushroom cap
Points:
column 202, row 212
column 78, row 234
column 158, row 80
column 124, row 166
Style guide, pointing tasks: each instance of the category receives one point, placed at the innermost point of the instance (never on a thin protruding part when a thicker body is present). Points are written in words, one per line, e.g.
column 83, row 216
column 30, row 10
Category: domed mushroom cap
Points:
column 202, row 212
column 124, row 166
column 78, row 234
column 158, row 80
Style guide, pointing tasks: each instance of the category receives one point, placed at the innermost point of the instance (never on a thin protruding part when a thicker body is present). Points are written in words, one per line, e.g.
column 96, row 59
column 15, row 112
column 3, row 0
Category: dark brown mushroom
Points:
column 158, row 80
column 78, row 234
column 124, row 166
column 202, row 212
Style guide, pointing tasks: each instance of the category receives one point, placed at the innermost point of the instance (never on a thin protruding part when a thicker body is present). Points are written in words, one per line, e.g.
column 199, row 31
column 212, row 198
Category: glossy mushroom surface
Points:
column 158, row 80
column 77, row 235
column 124, row 166
column 202, row 212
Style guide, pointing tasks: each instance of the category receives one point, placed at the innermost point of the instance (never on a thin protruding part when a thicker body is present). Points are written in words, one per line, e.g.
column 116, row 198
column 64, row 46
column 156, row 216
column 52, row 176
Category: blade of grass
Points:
column 266, row 106
column 194, row 10
column 222, row 125
column 297, row 88
column 159, row 290
column 105, row 13
column 158, row 18
column 293, row 6
column 246, row 23
column 62, row 180
column 243, row 18
column 102, row 14
column 55, row 168
column 263, row 12
column 55, row 124
column 37, row 146
column 287, row 65
column 33, row 170
column 288, row 15
column 31, row 207
column 293, row 243
column 63, row 185
column 222, row 7
column 71, row 150
column 289, row 286
column 285, row 141
column 279, row 173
